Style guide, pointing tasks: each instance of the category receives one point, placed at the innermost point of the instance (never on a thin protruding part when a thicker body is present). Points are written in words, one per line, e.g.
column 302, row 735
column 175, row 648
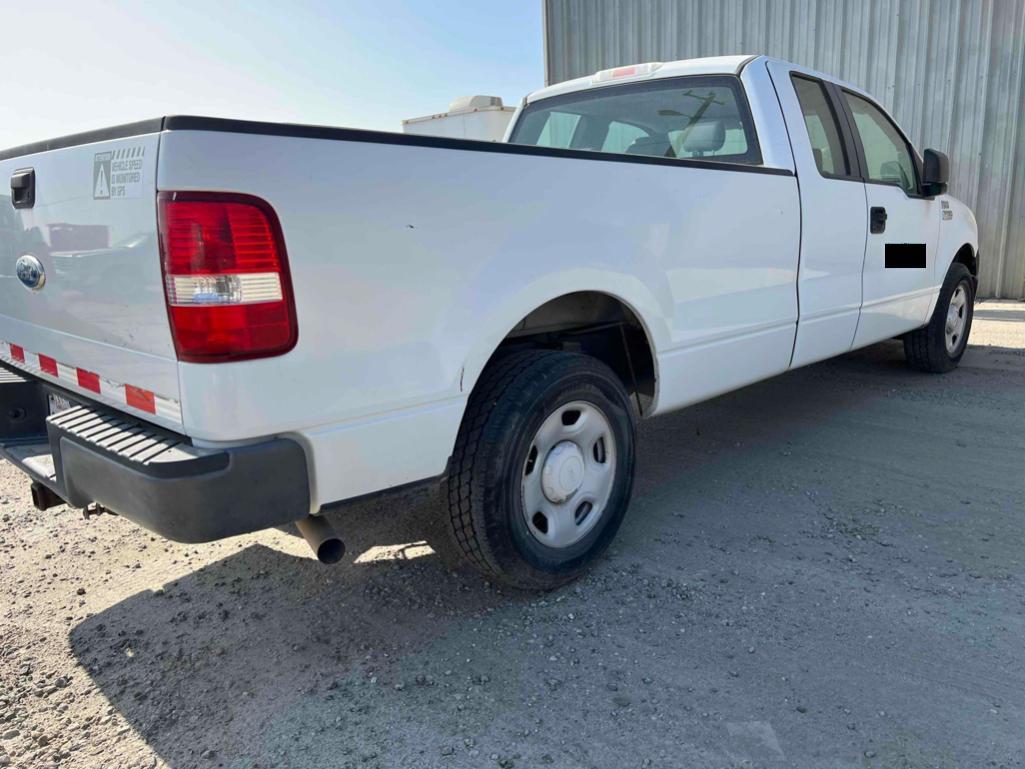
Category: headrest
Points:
column 706, row 136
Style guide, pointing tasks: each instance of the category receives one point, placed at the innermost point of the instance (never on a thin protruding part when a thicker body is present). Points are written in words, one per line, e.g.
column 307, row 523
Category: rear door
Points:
column 903, row 226
column 94, row 319
column 833, row 214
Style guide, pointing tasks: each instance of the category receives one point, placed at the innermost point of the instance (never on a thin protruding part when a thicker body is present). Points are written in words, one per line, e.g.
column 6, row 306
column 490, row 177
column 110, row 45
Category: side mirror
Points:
column 935, row 172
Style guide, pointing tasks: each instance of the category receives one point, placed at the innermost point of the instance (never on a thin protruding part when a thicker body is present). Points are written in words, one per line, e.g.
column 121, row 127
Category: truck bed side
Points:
column 412, row 257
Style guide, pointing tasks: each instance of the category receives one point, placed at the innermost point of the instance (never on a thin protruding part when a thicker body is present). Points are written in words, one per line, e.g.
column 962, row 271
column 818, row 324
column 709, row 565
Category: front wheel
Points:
column 939, row 346
column 543, row 467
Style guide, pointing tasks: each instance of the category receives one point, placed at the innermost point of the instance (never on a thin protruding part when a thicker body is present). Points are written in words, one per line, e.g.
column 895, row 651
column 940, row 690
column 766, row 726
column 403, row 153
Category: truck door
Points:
column 833, row 214
column 903, row 226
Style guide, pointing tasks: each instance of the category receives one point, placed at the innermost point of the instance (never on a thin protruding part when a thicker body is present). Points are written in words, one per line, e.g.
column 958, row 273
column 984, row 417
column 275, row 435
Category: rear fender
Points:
column 652, row 314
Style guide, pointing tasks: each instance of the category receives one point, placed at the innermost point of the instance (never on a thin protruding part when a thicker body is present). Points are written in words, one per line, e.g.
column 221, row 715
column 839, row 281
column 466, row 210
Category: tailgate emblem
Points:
column 30, row 272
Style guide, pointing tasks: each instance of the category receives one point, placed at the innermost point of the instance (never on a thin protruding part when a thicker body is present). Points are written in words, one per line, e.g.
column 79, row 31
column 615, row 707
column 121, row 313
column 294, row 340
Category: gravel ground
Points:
column 823, row 570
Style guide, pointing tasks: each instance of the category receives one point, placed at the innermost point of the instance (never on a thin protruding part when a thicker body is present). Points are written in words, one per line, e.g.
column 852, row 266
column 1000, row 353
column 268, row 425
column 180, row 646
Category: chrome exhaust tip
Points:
column 322, row 538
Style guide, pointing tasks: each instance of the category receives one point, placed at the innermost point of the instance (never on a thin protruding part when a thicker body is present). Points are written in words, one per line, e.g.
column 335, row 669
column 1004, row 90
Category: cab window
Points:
column 621, row 136
column 887, row 154
column 680, row 118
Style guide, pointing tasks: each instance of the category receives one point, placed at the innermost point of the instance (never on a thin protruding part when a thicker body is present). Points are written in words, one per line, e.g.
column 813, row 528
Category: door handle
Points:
column 877, row 220
column 23, row 188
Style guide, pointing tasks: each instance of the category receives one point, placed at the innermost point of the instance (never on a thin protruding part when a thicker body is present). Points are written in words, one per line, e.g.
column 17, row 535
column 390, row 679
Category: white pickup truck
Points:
column 212, row 327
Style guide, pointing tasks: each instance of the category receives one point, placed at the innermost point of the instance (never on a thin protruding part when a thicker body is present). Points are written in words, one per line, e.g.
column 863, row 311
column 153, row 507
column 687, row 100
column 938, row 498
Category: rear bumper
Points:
column 153, row 477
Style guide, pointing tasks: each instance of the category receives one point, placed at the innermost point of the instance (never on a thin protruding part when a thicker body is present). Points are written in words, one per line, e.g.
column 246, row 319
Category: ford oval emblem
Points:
column 30, row 272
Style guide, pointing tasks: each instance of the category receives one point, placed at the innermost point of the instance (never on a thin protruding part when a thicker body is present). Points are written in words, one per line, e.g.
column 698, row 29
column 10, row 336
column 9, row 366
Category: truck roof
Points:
column 652, row 70
column 656, row 70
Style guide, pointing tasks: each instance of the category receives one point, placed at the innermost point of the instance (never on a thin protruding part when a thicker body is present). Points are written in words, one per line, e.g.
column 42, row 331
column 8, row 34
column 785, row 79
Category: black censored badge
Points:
column 904, row 256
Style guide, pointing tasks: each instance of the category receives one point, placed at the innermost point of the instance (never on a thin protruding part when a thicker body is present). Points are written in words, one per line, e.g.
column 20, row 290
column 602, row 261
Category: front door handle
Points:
column 877, row 220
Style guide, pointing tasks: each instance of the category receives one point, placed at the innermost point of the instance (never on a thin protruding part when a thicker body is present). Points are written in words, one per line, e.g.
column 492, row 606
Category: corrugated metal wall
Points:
column 950, row 71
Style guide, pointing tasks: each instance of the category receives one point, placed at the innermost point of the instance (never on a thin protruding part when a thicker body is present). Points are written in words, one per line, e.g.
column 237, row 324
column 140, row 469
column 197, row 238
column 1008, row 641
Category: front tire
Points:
column 543, row 467
column 938, row 347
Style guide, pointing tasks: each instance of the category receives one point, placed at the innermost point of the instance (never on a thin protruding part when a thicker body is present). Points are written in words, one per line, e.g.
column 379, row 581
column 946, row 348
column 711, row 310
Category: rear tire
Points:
column 541, row 426
column 938, row 347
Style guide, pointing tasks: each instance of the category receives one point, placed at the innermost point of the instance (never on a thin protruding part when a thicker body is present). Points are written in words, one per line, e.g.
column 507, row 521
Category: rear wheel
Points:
column 939, row 346
column 543, row 467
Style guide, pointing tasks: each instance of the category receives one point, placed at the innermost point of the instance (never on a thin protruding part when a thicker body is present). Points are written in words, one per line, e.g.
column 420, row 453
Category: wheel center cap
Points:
column 952, row 318
column 563, row 472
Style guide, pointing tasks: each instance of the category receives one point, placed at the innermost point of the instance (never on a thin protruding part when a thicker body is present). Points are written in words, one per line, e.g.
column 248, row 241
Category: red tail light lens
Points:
column 226, row 278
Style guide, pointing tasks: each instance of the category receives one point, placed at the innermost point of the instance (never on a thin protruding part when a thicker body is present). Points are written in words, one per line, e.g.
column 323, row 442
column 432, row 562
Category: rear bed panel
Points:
column 410, row 262
column 101, row 308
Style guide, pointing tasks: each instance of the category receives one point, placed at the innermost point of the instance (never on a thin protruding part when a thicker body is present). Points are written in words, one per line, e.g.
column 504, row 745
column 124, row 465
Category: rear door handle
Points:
column 877, row 220
column 23, row 188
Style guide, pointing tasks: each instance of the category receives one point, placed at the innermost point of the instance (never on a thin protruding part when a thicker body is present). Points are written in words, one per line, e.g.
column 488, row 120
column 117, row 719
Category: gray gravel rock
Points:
column 798, row 583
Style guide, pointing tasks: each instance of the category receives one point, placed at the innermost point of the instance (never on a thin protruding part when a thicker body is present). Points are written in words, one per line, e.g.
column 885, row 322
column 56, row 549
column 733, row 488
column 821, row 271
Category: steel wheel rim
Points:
column 568, row 474
column 957, row 319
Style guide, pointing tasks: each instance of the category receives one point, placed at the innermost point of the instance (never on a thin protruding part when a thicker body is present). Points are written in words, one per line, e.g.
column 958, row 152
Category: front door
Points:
column 898, row 285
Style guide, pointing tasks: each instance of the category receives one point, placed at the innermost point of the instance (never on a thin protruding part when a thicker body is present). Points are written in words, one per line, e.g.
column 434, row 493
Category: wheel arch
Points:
column 967, row 256
column 522, row 319
column 958, row 240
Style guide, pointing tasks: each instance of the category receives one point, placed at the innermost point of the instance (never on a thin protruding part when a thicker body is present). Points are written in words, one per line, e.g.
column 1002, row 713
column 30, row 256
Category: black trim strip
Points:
column 188, row 123
column 151, row 126
column 224, row 125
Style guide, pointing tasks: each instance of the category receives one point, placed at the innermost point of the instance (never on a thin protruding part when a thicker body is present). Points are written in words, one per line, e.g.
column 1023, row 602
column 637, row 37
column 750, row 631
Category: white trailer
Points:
column 483, row 118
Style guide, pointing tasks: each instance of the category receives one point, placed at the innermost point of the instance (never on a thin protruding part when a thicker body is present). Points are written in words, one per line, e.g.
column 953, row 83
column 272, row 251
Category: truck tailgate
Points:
column 81, row 291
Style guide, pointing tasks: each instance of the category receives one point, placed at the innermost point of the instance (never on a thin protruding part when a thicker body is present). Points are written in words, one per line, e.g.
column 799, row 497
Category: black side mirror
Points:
column 935, row 172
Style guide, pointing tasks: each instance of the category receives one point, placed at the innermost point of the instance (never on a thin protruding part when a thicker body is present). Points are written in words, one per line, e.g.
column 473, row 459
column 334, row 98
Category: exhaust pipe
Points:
column 322, row 538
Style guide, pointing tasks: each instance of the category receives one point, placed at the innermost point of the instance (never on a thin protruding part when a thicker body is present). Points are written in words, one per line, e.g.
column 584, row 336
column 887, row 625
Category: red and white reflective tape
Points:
column 116, row 393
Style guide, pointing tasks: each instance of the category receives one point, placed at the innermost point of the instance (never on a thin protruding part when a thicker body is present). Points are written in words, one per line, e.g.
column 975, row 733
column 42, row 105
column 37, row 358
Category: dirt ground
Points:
column 824, row 570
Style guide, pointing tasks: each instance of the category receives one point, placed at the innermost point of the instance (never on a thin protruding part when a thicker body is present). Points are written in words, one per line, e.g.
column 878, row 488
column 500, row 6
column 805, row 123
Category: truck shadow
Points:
column 268, row 659
column 264, row 635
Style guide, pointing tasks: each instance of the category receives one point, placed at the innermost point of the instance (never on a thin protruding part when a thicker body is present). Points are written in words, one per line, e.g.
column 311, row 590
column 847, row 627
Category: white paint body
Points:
column 410, row 265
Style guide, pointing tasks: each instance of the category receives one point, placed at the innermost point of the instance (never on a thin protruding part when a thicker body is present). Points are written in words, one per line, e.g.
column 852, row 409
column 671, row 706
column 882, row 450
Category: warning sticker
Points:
column 117, row 174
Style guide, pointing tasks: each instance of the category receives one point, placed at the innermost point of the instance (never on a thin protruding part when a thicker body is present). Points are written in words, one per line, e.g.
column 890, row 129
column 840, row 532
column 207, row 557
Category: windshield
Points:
column 690, row 118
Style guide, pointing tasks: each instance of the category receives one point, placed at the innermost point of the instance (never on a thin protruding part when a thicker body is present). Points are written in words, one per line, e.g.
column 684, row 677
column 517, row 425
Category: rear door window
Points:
column 679, row 118
column 823, row 128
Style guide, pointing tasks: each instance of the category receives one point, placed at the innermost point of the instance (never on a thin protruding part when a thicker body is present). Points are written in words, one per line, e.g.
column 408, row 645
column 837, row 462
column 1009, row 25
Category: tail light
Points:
column 229, row 296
